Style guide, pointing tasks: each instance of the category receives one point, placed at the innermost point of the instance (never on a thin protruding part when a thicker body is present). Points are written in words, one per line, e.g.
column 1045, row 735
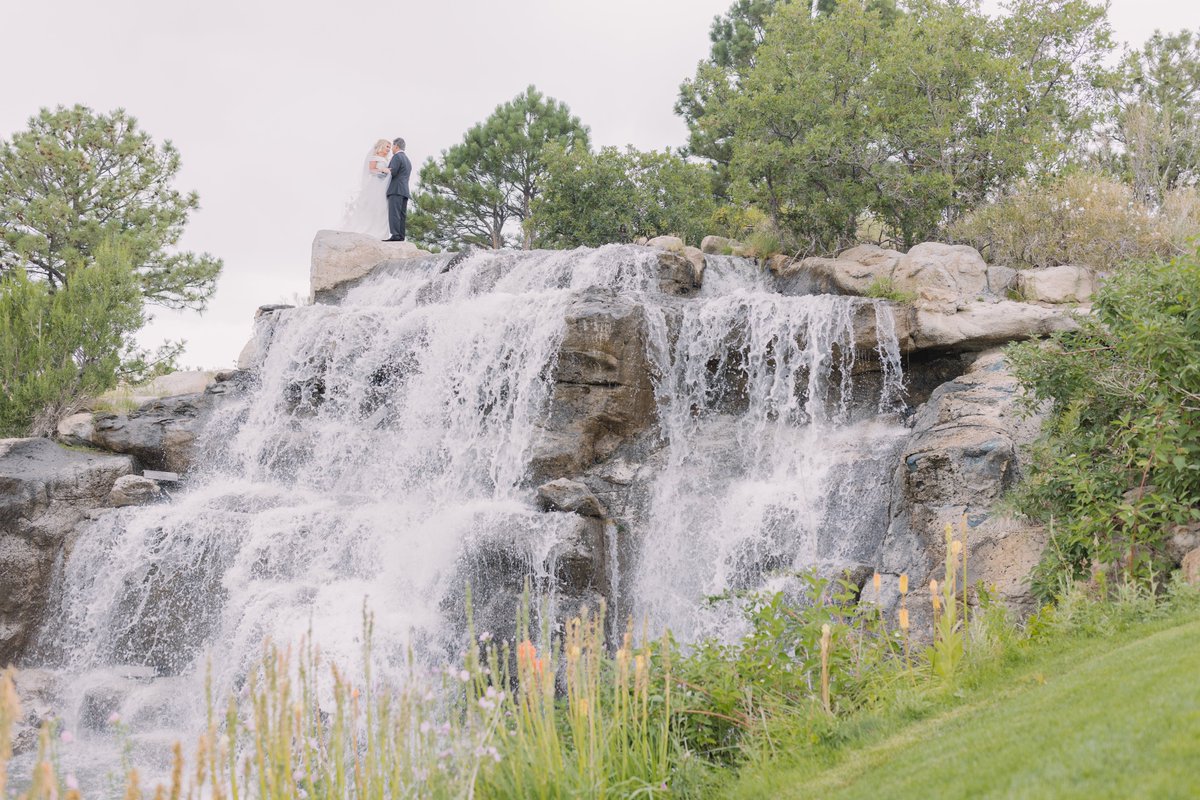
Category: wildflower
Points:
column 583, row 706
column 904, row 620
column 72, row 782
column 486, row 703
column 876, row 583
column 298, row 775
column 955, row 547
column 426, row 726
column 904, row 584
column 114, row 718
column 67, row 737
column 486, row 636
column 464, row 676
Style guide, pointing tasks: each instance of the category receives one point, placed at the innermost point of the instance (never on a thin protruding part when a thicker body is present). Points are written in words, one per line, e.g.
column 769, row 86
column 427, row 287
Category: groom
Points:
column 397, row 191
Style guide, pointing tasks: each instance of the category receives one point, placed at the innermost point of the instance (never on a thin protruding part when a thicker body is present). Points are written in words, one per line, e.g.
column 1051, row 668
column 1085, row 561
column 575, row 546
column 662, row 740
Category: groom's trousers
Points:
column 397, row 214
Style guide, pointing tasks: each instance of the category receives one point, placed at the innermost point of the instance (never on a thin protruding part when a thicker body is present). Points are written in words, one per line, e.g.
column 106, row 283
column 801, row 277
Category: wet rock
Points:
column 680, row 275
column 965, row 452
column 603, row 386
column 696, row 257
column 133, row 490
column 571, row 496
column 162, row 434
column 340, row 258
column 45, row 491
column 1063, row 284
column 37, row 690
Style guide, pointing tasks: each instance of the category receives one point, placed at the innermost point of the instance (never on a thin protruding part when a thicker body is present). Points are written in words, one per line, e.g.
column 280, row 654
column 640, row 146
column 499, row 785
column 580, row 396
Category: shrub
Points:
column 1119, row 461
column 1080, row 219
column 882, row 288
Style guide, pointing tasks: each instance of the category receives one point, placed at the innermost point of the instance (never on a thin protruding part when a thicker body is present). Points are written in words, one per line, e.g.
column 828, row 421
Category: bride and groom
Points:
column 381, row 207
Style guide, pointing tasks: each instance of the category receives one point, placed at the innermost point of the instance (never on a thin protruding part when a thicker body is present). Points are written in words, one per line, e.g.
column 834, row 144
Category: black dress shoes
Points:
column 394, row 239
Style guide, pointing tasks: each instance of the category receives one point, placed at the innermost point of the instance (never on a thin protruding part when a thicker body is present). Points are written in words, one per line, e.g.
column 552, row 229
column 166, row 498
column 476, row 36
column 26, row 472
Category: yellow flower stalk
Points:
column 904, row 584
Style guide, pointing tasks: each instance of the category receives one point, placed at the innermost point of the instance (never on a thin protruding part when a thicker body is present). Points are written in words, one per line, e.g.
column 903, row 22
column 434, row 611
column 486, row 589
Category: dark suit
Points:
column 398, row 194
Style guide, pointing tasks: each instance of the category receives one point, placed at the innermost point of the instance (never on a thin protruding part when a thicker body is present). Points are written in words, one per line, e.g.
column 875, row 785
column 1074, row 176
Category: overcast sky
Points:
column 273, row 104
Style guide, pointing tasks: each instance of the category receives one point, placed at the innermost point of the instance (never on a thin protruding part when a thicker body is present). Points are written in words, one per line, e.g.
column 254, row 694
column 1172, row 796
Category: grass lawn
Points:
column 1115, row 717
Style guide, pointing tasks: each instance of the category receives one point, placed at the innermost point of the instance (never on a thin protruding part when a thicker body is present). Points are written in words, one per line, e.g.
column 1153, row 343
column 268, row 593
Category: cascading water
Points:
column 389, row 437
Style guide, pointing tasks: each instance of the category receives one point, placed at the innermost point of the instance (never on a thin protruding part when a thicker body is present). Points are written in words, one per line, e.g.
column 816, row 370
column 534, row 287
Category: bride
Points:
column 367, row 213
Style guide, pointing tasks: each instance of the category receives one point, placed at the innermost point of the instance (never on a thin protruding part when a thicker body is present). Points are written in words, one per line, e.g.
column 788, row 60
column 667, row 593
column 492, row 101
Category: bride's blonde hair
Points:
column 380, row 143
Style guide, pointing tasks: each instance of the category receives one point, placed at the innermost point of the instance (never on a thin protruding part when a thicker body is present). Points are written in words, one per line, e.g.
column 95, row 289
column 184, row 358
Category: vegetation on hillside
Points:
column 1119, row 467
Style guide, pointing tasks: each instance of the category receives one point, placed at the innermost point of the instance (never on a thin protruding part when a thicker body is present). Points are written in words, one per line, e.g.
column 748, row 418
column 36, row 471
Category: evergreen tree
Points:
column 478, row 187
column 61, row 344
column 75, row 178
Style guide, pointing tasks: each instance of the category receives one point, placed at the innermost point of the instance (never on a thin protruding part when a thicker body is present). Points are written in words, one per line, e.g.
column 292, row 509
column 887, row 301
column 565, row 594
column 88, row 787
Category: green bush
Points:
column 882, row 288
column 1119, row 461
column 58, row 347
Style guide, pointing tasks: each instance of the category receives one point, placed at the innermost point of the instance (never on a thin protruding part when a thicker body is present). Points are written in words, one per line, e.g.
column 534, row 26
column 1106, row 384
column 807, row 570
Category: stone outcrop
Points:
column 670, row 243
column 603, row 385
column 570, row 496
column 45, row 492
column 941, row 275
column 341, row 259
column 161, row 434
column 965, row 451
column 977, row 326
column 1063, row 284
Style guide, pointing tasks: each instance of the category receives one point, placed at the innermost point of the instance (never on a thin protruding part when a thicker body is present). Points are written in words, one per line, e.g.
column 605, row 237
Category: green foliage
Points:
column 75, row 179
column 1119, row 461
column 882, row 288
column 476, row 188
column 1078, row 219
column 57, row 347
column 1156, row 130
column 914, row 117
column 612, row 196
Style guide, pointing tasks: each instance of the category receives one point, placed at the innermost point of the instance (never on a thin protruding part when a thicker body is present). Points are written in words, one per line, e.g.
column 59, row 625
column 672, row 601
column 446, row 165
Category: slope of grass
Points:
column 1108, row 717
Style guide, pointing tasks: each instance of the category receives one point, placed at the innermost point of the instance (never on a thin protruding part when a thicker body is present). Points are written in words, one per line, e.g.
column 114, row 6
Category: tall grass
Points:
column 572, row 716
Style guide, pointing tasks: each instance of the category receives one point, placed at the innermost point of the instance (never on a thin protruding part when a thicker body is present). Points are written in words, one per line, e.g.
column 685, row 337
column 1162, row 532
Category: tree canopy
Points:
column 75, row 178
column 912, row 116
column 479, row 187
column 611, row 196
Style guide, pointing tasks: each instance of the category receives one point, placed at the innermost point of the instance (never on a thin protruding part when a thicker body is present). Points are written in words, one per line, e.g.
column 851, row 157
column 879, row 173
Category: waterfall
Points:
column 388, row 439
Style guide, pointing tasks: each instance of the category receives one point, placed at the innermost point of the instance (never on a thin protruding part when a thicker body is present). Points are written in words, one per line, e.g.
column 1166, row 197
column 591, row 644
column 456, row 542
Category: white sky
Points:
column 273, row 104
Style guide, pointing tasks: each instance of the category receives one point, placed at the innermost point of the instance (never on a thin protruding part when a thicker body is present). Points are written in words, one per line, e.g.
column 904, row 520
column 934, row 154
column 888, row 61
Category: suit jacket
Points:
column 401, row 169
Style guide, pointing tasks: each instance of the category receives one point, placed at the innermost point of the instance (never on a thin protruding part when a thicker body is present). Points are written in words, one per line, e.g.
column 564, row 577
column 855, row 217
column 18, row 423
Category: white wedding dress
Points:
column 367, row 212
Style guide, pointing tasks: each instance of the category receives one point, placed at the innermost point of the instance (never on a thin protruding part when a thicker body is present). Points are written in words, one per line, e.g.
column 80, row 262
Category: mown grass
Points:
column 1093, row 714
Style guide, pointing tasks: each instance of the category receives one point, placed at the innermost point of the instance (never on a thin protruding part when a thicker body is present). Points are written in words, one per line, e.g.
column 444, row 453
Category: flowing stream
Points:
column 388, row 438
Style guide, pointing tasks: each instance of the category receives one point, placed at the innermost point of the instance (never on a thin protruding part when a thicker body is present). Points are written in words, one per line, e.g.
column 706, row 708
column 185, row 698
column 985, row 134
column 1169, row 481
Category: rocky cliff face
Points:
column 602, row 439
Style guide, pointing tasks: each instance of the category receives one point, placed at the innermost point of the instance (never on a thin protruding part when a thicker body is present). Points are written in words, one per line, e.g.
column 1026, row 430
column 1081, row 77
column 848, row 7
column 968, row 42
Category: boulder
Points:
column 133, row 490
column 45, row 492
column 340, row 258
column 941, row 275
column 965, row 451
column 76, row 430
column 977, row 326
column 1063, row 284
column 38, row 691
column 827, row 276
column 882, row 260
column 696, row 257
column 603, row 386
column 719, row 245
column 1001, row 280
column 265, row 319
column 162, row 434
column 570, row 496
column 679, row 275
column 671, row 244
column 1190, row 566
